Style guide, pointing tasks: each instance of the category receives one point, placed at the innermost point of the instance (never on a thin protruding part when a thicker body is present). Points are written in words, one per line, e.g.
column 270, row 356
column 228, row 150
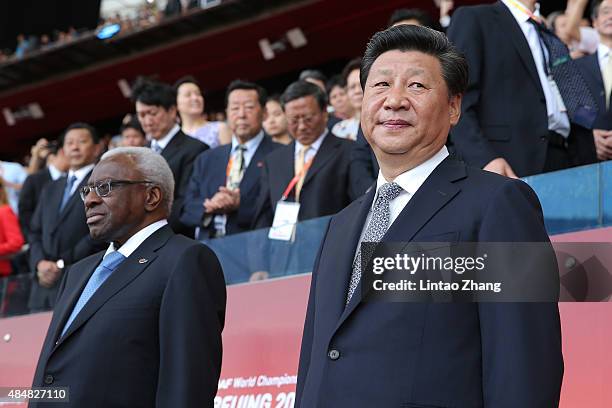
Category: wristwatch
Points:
column 60, row 264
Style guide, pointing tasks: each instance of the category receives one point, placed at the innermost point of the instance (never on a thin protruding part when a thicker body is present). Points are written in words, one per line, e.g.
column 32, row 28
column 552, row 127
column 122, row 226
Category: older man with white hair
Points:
column 140, row 324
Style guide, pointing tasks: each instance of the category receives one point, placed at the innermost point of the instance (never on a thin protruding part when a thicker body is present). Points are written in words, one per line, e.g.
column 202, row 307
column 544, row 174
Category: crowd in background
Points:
column 232, row 168
column 145, row 16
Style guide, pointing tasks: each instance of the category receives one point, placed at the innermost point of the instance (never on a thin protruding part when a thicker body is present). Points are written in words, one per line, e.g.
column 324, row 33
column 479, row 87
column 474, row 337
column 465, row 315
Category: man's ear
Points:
column 455, row 109
column 153, row 198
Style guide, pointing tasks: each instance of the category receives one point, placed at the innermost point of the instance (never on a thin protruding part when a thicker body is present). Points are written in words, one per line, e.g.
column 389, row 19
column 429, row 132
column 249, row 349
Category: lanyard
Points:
column 295, row 179
column 524, row 10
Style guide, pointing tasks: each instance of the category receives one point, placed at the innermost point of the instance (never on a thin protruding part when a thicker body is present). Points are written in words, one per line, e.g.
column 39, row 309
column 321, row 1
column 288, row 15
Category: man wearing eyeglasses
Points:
column 138, row 325
column 58, row 232
column 313, row 170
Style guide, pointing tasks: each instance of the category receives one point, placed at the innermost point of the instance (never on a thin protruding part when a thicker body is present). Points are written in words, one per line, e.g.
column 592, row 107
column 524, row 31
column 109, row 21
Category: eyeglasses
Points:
column 307, row 119
column 104, row 188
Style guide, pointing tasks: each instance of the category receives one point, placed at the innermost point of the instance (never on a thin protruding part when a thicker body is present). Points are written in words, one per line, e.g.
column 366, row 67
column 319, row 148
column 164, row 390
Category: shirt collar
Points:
column 315, row 145
column 54, row 172
column 81, row 173
column 411, row 180
column 251, row 144
column 164, row 141
column 603, row 51
column 135, row 240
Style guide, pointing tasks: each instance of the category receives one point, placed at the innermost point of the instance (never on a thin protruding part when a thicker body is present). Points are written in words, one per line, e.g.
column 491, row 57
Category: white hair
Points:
column 152, row 166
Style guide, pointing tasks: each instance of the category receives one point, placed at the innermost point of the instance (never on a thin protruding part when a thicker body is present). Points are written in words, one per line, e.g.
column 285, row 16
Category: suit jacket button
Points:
column 334, row 354
column 49, row 379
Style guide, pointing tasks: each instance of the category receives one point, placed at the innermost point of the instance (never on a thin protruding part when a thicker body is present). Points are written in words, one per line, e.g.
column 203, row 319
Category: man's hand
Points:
column 223, row 202
column 47, row 272
column 603, row 143
column 500, row 166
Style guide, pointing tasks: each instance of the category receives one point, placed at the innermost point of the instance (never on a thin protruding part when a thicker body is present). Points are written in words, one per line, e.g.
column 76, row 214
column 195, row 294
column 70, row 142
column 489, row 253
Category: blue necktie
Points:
column 102, row 272
column 576, row 95
column 67, row 192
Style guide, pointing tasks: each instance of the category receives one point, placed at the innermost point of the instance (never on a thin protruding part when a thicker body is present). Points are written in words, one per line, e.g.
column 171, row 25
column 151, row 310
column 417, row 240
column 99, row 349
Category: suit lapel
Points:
column 125, row 273
column 593, row 75
column 509, row 25
column 346, row 240
column 251, row 174
column 65, row 308
column 174, row 146
column 74, row 199
column 434, row 194
column 325, row 153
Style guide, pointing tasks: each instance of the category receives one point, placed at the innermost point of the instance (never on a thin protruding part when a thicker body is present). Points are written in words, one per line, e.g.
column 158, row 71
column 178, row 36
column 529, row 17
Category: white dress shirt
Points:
column 410, row 181
column 54, row 172
column 251, row 147
column 314, row 147
column 164, row 141
column 80, row 175
column 603, row 55
column 135, row 240
column 558, row 121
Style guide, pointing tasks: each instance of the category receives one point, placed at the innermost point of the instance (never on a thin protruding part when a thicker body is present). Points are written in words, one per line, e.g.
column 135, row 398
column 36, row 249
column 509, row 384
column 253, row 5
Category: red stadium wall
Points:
column 264, row 328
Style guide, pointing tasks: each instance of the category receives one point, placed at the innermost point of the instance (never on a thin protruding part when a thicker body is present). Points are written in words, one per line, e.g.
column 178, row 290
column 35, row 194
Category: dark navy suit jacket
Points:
column 499, row 355
column 503, row 112
column 209, row 173
column 589, row 66
column 150, row 336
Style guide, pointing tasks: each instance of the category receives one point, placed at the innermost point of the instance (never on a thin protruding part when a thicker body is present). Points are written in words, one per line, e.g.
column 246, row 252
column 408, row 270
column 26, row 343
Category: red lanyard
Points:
column 295, row 179
column 525, row 10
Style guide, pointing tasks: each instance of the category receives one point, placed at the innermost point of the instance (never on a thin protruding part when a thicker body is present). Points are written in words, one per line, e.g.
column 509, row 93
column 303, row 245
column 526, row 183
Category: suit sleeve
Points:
column 308, row 333
column 35, row 238
column 466, row 34
column 182, row 184
column 193, row 209
column 12, row 232
column 192, row 315
column 521, row 342
column 362, row 172
column 264, row 215
column 26, row 205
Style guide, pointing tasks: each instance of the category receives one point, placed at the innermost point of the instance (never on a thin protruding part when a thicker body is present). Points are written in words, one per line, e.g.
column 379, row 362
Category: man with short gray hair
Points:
column 140, row 324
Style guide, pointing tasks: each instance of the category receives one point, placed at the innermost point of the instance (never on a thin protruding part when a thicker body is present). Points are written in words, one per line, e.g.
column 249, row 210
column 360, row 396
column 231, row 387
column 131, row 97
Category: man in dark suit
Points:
column 224, row 183
column 138, row 325
column 515, row 121
column 597, row 71
column 364, row 354
column 57, row 166
column 316, row 160
column 58, row 231
column 156, row 110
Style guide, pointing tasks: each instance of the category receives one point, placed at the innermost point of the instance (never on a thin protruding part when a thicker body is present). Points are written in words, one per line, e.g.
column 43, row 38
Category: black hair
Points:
column 595, row 9
column 333, row 82
column 153, row 93
column 262, row 95
column 275, row 98
column 314, row 74
column 186, row 80
column 354, row 64
column 419, row 15
column 80, row 125
column 133, row 123
column 407, row 37
column 300, row 89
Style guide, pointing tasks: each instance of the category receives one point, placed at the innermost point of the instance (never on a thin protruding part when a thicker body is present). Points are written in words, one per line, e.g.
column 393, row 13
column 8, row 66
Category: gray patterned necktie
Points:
column 376, row 229
column 574, row 91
